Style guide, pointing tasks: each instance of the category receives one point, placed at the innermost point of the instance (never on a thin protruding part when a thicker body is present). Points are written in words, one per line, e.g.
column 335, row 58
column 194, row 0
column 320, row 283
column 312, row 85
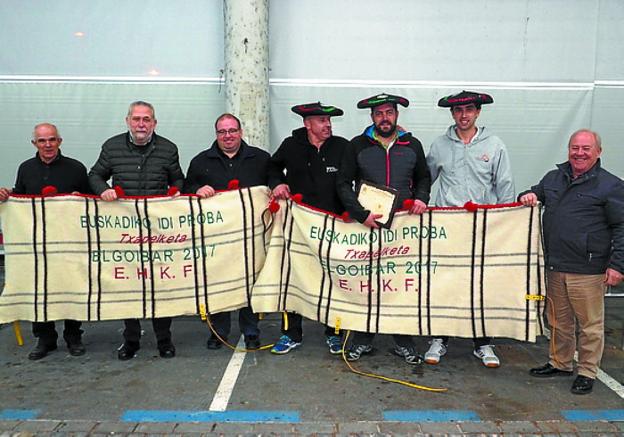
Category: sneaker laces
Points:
column 284, row 340
column 409, row 353
column 334, row 340
column 359, row 349
column 487, row 351
column 437, row 347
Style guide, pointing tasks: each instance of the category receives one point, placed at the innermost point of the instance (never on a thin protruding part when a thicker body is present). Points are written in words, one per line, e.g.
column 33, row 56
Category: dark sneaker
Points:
column 334, row 343
column 356, row 351
column 127, row 351
column 409, row 354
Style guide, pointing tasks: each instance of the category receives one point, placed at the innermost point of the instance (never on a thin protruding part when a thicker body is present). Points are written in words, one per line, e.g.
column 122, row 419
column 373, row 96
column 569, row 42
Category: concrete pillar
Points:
column 247, row 66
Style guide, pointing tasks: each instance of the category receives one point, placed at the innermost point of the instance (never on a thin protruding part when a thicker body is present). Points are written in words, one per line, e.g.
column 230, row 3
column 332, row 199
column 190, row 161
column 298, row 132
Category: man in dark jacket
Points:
column 229, row 158
column 384, row 155
column 584, row 246
column 142, row 163
column 50, row 167
column 311, row 158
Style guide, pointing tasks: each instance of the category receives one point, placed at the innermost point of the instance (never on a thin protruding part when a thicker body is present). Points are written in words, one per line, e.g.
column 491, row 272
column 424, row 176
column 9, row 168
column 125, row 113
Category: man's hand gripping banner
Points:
column 447, row 272
column 71, row 257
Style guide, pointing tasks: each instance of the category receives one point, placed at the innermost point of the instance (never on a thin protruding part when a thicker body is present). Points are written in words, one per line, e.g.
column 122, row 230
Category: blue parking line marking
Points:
column 18, row 414
column 431, row 416
column 589, row 415
column 210, row 416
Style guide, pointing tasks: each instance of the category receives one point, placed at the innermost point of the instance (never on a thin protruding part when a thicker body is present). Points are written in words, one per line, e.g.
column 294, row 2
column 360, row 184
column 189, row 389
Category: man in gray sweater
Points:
column 470, row 164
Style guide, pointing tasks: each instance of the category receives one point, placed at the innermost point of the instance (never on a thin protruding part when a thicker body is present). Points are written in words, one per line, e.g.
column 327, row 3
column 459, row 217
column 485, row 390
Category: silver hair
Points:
column 597, row 138
column 34, row 132
column 141, row 103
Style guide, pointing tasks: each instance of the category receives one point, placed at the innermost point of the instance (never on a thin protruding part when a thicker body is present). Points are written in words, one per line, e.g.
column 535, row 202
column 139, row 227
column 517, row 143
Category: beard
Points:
column 388, row 133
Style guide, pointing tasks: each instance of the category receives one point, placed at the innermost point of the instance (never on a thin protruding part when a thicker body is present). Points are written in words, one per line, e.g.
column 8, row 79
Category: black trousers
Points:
column 46, row 331
column 247, row 322
column 478, row 341
column 295, row 328
column 162, row 329
column 367, row 338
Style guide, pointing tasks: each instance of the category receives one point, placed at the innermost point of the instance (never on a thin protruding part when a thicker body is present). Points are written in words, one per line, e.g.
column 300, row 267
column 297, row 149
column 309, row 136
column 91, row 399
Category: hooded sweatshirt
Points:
column 479, row 171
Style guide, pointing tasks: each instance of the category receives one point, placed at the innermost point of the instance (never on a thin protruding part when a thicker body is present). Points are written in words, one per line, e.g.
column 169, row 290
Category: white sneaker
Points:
column 487, row 356
column 435, row 352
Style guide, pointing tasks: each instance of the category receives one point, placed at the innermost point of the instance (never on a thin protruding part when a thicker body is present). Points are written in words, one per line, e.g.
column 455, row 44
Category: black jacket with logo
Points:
column 212, row 167
column 583, row 220
column 310, row 172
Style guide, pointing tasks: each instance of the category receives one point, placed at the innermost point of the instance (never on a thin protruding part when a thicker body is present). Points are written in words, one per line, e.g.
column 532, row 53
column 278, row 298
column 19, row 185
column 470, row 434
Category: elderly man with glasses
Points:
column 141, row 163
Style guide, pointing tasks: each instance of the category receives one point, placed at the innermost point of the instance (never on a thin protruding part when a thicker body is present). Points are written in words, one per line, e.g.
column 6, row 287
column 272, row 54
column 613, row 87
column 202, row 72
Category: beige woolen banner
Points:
column 448, row 272
column 86, row 259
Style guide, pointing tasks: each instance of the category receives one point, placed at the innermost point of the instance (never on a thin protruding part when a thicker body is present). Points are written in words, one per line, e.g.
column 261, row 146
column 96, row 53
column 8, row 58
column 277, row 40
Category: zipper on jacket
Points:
column 388, row 166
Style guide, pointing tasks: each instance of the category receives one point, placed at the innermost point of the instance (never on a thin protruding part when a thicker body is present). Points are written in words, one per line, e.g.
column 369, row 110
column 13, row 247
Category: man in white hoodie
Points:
column 469, row 164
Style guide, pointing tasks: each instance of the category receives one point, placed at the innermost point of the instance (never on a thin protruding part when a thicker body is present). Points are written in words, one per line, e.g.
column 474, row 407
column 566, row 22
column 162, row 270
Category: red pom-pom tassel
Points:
column 49, row 190
column 408, row 203
column 172, row 191
column 469, row 206
column 297, row 198
column 233, row 184
column 119, row 191
column 274, row 206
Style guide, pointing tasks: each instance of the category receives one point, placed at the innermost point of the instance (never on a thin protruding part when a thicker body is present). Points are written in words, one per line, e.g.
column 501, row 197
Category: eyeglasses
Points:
column 43, row 141
column 232, row 131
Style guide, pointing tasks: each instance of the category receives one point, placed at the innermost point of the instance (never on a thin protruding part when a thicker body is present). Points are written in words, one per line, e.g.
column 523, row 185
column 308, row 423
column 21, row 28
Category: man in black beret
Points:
column 311, row 159
column 470, row 164
column 385, row 155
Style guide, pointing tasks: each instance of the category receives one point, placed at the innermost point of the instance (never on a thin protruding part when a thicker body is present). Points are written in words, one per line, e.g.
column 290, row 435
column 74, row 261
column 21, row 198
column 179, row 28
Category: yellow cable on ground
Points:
column 18, row 333
column 385, row 378
column 206, row 317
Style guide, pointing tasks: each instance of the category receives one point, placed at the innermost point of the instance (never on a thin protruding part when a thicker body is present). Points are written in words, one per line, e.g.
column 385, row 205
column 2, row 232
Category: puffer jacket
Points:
column 402, row 167
column 139, row 174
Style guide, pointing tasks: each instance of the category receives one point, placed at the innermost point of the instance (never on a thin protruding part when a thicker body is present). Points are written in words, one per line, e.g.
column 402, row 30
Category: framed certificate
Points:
column 378, row 199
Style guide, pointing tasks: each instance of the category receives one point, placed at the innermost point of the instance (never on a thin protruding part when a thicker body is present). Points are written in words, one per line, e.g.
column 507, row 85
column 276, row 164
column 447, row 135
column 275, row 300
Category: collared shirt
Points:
column 131, row 140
